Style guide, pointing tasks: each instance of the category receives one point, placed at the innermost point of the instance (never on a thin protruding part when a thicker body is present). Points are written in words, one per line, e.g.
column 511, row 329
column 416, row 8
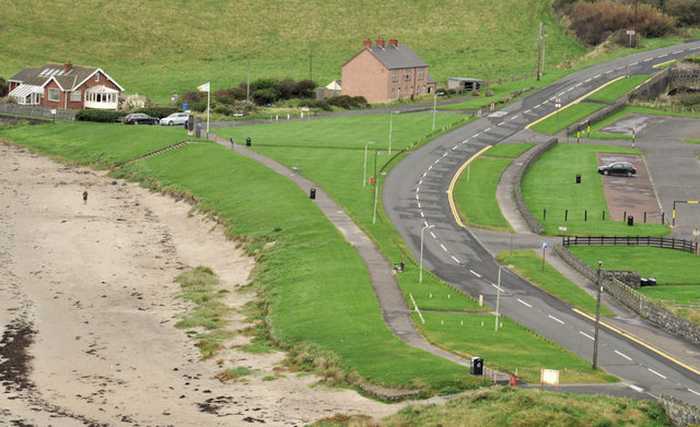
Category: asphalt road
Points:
column 415, row 195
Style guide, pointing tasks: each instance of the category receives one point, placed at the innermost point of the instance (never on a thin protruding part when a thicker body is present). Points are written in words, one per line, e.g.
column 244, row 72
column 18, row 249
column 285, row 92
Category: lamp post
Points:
column 420, row 274
column 434, row 109
column 597, row 316
column 498, row 301
column 391, row 127
column 364, row 167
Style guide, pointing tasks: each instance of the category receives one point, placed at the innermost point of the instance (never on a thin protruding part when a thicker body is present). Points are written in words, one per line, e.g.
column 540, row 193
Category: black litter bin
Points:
column 578, row 179
column 248, row 142
column 477, row 366
column 630, row 220
column 312, row 194
column 643, row 281
column 651, row 281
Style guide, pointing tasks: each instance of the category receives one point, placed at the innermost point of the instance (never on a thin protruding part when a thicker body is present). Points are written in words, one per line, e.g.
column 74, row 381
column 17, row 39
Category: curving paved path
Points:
column 415, row 195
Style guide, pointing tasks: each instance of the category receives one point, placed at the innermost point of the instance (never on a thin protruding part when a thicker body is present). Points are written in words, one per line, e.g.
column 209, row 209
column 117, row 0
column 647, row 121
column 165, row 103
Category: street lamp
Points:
column 498, row 300
column 599, row 285
column 434, row 108
column 364, row 167
column 420, row 274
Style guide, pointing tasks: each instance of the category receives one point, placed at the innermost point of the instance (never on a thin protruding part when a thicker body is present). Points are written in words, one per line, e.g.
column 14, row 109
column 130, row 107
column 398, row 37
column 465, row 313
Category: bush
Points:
column 158, row 112
column 265, row 96
column 223, row 109
column 4, row 88
column 305, row 89
column 231, row 95
column 687, row 12
column 593, row 23
column 315, row 103
column 102, row 116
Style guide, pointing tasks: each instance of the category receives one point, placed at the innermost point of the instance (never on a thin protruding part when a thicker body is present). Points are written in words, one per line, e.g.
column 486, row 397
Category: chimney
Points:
column 367, row 43
column 380, row 42
column 393, row 42
column 67, row 66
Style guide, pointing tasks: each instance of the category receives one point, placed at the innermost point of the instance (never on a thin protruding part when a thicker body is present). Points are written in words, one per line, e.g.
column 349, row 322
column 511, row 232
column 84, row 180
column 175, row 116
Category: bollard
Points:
column 566, row 215
column 312, row 194
column 624, row 216
column 663, row 218
column 585, row 215
column 630, row 220
column 544, row 214
column 645, row 217
column 578, row 179
column 603, row 216
column 248, row 141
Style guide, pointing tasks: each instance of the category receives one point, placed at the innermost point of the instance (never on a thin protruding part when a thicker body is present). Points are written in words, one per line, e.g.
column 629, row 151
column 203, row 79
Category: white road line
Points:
column 524, row 303
column 656, row 373
column 475, row 273
column 419, row 206
column 418, row 189
column 694, row 392
column 426, row 223
column 433, row 235
column 420, row 182
column 634, row 63
column 465, row 141
column 476, row 134
column 454, row 259
column 496, row 286
column 648, row 60
column 455, row 147
column 526, row 111
column 515, row 117
column 444, row 155
column 623, row 355
column 555, row 319
column 487, row 129
column 443, row 247
column 425, row 174
column 431, row 167
column 636, row 388
column 422, row 214
column 588, row 80
column 586, row 335
column 596, row 76
column 676, row 52
column 417, row 197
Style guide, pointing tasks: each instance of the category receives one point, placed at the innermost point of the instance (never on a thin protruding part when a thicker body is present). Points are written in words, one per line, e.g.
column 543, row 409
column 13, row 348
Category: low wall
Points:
column 35, row 112
column 520, row 169
column 635, row 301
column 680, row 413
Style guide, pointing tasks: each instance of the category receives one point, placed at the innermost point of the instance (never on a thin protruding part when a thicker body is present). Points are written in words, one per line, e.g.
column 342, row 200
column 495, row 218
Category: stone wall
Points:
column 635, row 301
column 629, row 278
column 520, row 169
column 681, row 414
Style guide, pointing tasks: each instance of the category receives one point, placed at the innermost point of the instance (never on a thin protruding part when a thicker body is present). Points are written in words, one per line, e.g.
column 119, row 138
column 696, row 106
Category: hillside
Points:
column 162, row 47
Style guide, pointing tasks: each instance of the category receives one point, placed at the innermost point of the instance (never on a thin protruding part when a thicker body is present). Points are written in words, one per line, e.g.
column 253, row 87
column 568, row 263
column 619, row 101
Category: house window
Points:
column 395, row 76
column 54, row 95
column 97, row 77
column 407, row 77
column 420, row 74
column 75, row 96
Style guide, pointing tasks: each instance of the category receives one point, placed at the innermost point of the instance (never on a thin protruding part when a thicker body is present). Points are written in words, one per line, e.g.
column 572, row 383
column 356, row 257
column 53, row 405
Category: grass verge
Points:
column 550, row 184
column 475, row 192
column 617, row 90
column 567, row 117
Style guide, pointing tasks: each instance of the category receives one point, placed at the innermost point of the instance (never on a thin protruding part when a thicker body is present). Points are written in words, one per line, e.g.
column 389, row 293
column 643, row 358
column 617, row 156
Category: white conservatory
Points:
column 101, row 97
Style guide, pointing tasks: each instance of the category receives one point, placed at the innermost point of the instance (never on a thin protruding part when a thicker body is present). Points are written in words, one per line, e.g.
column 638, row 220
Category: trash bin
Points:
column 477, row 366
column 651, row 281
column 248, row 141
column 312, row 194
column 643, row 281
column 578, row 179
column 630, row 220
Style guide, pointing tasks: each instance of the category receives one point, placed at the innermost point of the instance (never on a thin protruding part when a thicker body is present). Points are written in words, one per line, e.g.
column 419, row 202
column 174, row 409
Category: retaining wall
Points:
column 680, row 413
column 635, row 301
column 520, row 169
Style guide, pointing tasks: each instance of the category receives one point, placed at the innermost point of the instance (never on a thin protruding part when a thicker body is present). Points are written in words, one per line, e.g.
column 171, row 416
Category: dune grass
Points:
column 475, row 192
column 550, row 184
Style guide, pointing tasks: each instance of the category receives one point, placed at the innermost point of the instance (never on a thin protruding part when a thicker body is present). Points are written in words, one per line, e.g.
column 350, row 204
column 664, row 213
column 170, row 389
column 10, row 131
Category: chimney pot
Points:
column 380, row 42
column 367, row 43
column 67, row 66
column 393, row 42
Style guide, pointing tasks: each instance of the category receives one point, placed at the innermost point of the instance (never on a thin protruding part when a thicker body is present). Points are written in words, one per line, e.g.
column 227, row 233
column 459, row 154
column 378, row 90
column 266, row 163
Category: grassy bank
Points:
column 617, row 90
column 528, row 264
column 567, row 117
column 316, row 287
column 475, row 192
column 550, row 184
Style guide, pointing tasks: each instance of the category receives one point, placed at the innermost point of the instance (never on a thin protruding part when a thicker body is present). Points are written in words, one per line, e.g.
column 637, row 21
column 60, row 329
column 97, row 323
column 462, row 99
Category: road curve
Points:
column 415, row 194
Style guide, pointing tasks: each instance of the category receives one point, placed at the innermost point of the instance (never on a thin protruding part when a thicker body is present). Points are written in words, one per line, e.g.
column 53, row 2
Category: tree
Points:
column 4, row 88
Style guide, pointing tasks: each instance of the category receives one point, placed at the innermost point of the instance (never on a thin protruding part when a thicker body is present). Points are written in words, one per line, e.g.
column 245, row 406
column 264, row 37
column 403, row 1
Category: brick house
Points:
column 65, row 86
column 383, row 72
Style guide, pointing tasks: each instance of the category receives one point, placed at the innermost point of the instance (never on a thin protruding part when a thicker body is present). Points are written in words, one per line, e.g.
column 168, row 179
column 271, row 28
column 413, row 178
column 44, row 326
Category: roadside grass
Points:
column 513, row 348
column 629, row 110
column 550, row 184
column 206, row 320
column 566, row 117
column 676, row 272
column 692, row 141
column 528, row 264
column 507, row 406
column 316, row 290
column 475, row 192
column 97, row 144
column 617, row 90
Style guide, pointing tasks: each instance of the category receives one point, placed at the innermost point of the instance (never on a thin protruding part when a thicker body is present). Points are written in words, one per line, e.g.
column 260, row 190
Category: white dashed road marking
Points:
column 556, row 320
column 524, row 303
column 656, row 373
column 443, row 247
column 636, row 388
column 422, row 215
column 586, row 335
column 624, row 356
column 433, row 235
column 455, row 259
column 475, row 273
column 694, row 392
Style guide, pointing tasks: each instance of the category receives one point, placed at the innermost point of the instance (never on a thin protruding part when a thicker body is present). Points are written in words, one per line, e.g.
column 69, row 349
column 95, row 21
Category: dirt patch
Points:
column 88, row 305
column 631, row 195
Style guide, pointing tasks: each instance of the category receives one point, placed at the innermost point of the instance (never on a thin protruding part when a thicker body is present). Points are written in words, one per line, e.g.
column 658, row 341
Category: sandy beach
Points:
column 88, row 305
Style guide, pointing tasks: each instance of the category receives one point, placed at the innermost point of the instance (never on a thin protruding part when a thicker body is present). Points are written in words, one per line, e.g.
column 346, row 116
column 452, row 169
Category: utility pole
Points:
column 540, row 52
column 597, row 317
column 247, row 81
column 636, row 20
column 498, row 301
column 311, row 62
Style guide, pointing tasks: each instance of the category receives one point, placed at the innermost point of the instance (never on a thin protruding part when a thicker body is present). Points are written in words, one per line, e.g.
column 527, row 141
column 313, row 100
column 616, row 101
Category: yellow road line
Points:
column 451, row 188
column 573, row 103
column 640, row 342
column 664, row 64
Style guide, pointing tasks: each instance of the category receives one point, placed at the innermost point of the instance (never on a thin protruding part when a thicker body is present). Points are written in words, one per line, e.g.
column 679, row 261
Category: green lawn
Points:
column 511, row 348
column 475, row 192
column 620, row 88
column 98, row 144
column 529, row 265
column 550, row 184
column 567, row 117
column 317, row 286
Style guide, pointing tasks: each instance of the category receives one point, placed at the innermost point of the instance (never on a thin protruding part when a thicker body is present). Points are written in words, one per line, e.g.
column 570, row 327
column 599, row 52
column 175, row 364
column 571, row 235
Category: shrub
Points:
column 230, row 95
column 265, row 96
column 158, row 111
column 348, row 102
column 305, row 89
column 687, row 12
column 593, row 23
column 223, row 109
column 315, row 103
column 4, row 88
column 102, row 116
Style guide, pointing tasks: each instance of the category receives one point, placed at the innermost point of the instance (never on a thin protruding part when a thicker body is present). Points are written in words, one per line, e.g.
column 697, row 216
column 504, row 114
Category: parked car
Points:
column 174, row 119
column 618, row 168
column 140, row 119
column 441, row 92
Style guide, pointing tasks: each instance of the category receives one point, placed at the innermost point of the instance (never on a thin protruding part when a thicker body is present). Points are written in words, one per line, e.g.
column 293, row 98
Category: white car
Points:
column 174, row 119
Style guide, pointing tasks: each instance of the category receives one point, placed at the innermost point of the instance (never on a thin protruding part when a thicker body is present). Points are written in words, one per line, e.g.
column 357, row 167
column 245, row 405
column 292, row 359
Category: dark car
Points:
column 140, row 119
column 618, row 168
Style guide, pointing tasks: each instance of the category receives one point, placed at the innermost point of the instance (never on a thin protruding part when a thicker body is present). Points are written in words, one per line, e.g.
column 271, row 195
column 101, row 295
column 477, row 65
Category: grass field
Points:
column 567, row 117
column 512, row 349
column 317, row 286
column 617, row 90
column 550, row 184
column 159, row 47
column 529, row 265
column 475, row 192
column 517, row 407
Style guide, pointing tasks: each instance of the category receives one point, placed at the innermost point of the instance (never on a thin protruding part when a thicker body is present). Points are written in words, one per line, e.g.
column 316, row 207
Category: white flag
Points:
column 205, row 87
